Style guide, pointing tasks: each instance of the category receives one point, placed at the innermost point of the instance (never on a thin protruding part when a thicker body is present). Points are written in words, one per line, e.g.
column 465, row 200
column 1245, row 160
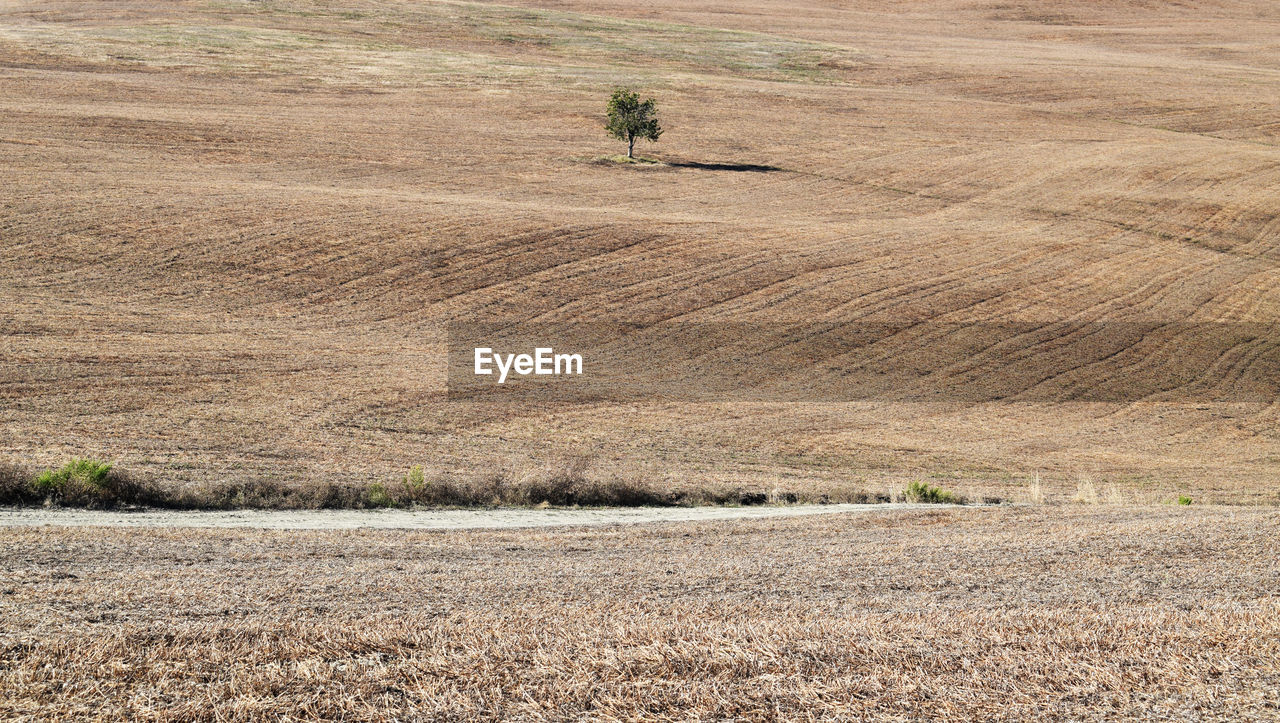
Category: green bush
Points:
column 922, row 492
column 378, row 497
column 85, row 472
column 90, row 483
column 415, row 485
column 1184, row 500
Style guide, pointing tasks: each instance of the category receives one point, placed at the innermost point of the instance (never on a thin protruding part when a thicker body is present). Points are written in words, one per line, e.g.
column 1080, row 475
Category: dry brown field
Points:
column 235, row 233
column 1076, row 613
column 232, row 233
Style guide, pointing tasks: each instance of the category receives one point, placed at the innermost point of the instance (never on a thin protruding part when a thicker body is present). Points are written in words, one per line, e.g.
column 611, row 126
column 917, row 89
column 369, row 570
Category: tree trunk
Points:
column 631, row 146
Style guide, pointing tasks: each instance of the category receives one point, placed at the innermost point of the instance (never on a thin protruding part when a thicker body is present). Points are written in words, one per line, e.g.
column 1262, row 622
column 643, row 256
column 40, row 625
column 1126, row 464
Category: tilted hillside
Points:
column 233, row 235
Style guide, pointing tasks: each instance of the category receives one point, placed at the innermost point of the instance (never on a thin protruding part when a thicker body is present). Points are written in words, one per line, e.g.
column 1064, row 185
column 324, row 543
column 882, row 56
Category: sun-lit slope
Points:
column 233, row 233
column 1117, row 60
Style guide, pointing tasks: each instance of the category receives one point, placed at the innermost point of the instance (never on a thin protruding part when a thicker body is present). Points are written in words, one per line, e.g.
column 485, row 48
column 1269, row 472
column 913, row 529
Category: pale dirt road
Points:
column 503, row 518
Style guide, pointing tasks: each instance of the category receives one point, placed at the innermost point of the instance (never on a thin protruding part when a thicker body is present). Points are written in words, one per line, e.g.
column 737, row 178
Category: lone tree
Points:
column 630, row 118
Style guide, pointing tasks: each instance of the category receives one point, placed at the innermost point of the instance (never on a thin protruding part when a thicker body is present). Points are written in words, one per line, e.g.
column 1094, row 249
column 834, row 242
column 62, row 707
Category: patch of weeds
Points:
column 416, row 489
column 415, row 483
column 90, row 483
column 842, row 496
column 86, row 472
column 378, row 497
column 926, row 493
column 1184, row 500
column 564, row 485
column 1086, row 493
column 570, row 483
column 270, row 494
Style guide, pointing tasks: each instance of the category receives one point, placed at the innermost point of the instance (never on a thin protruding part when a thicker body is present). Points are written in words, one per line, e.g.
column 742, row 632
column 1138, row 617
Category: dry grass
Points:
column 1035, row 492
column 15, row 484
column 1062, row 613
column 1086, row 492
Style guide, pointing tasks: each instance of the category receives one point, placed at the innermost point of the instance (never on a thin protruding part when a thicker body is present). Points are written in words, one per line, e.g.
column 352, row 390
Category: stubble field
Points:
column 1044, row 613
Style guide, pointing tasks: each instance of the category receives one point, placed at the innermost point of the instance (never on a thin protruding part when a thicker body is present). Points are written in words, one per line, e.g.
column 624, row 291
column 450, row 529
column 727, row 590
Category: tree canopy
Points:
column 630, row 118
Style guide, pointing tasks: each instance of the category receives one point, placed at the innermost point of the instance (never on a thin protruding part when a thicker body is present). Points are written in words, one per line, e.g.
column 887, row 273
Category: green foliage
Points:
column 378, row 497
column 87, row 473
column 1184, row 500
column 416, row 489
column 630, row 118
column 923, row 492
column 89, row 483
column 416, row 481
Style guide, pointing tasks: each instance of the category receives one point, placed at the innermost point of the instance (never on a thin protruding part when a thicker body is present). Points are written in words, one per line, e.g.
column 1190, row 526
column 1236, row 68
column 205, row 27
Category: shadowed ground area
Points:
column 704, row 166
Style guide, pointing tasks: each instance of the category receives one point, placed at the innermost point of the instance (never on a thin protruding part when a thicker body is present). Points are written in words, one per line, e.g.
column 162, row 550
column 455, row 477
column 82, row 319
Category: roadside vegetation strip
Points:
column 92, row 484
column 500, row 518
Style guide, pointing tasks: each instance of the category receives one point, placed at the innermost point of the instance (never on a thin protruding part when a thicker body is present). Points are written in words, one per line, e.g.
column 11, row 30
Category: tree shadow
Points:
column 739, row 167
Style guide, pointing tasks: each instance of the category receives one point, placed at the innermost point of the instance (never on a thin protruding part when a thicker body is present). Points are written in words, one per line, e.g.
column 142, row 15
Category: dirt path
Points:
column 417, row 520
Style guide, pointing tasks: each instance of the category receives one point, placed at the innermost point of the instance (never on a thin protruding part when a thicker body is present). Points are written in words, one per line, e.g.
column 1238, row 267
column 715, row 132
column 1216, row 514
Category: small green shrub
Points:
column 923, row 492
column 416, row 480
column 86, row 472
column 378, row 497
column 1184, row 500
column 90, row 483
column 414, row 488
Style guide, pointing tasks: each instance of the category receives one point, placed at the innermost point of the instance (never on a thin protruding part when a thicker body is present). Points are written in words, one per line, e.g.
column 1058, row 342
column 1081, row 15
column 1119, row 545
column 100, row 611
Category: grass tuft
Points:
column 923, row 492
column 377, row 496
column 1086, row 492
column 1035, row 493
column 86, row 473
